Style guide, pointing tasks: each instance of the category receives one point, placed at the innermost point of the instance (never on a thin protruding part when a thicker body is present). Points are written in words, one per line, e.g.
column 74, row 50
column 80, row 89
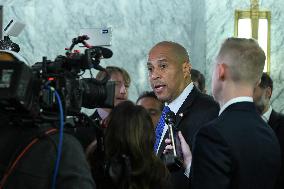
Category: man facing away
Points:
column 169, row 75
column 238, row 150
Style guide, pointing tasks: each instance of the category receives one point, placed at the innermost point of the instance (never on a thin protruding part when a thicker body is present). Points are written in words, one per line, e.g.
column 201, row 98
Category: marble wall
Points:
column 137, row 25
column 219, row 21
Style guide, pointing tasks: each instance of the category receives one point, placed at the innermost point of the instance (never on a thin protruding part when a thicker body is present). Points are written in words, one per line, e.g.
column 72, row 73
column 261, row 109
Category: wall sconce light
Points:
column 254, row 23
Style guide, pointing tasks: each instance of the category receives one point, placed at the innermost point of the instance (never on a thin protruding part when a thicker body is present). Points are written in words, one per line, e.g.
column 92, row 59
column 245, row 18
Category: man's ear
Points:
column 268, row 92
column 186, row 68
column 221, row 71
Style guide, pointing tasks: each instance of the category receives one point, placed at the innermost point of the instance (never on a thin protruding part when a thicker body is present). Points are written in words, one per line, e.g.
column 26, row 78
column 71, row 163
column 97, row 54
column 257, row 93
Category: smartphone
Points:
column 14, row 28
column 98, row 36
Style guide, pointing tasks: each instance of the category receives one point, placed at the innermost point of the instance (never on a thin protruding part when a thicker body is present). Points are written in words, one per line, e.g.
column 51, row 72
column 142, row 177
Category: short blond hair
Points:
column 246, row 59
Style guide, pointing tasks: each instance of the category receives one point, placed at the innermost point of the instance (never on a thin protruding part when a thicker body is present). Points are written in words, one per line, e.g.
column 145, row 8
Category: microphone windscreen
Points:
column 107, row 53
column 104, row 52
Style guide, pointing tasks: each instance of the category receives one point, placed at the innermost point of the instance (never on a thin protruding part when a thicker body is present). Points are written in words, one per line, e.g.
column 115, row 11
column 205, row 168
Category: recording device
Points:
column 25, row 92
column 7, row 44
column 173, row 159
column 13, row 28
column 37, row 95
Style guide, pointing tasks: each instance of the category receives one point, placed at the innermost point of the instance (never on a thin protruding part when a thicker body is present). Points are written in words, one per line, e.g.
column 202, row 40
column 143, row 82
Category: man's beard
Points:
column 260, row 105
column 260, row 108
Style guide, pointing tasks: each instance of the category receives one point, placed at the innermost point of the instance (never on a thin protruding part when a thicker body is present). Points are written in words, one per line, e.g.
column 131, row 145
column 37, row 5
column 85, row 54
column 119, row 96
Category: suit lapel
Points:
column 179, row 116
column 185, row 107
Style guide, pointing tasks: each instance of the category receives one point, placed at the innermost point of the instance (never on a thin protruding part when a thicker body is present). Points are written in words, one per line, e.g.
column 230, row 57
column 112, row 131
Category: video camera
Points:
column 29, row 93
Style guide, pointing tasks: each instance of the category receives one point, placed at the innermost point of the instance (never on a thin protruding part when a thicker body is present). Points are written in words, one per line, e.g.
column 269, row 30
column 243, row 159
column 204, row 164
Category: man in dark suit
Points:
column 169, row 74
column 237, row 150
column 275, row 120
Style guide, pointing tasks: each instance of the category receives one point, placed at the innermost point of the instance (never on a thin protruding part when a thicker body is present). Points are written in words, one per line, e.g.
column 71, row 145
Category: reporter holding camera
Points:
column 94, row 142
column 29, row 145
column 122, row 82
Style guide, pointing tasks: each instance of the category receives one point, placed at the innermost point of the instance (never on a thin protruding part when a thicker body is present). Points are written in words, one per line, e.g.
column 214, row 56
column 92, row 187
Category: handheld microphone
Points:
column 173, row 159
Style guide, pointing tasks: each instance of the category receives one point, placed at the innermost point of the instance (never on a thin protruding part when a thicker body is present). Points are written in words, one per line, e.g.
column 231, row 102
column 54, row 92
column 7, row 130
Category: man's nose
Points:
column 155, row 74
column 123, row 89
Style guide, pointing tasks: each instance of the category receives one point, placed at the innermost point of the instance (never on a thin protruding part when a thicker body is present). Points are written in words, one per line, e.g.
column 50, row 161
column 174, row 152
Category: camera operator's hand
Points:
column 187, row 155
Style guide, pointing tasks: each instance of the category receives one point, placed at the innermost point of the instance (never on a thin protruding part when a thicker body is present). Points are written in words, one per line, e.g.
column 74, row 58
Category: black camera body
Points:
column 31, row 92
column 8, row 44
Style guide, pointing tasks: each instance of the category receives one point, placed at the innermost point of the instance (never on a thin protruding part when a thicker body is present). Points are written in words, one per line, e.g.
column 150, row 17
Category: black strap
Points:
column 29, row 137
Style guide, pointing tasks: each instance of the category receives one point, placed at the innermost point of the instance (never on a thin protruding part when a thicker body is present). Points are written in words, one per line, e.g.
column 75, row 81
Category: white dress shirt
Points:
column 266, row 115
column 235, row 100
column 102, row 113
column 175, row 106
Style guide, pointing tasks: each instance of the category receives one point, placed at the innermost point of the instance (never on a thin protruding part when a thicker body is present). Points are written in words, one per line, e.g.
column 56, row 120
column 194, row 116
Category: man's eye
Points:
column 163, row 66
column 149, row 69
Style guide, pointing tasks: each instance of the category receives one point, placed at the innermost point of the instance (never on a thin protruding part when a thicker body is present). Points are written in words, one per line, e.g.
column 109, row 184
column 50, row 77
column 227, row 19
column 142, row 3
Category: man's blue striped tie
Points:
column 160, row 127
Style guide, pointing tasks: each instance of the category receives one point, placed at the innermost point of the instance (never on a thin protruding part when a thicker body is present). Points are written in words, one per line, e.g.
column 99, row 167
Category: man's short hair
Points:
column 181, row 54
column 197, row 76
column 246, row 59
column 113, row 69
column 266, row 81
column 150, row 94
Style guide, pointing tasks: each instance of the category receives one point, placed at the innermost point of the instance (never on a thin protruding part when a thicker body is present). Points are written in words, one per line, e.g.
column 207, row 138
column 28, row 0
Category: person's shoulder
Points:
column 276, row 121
column 69, row 142
column 211, row 131
column 280, row 116
column 206, row 101
column 205, row 98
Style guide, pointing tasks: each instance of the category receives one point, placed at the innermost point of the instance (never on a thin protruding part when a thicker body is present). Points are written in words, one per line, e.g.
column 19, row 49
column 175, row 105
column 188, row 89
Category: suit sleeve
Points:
column 280, row 135
column 211, row 163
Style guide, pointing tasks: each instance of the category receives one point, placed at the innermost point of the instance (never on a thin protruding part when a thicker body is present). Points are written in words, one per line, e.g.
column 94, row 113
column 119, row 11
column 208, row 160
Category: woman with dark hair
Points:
column 129, row 145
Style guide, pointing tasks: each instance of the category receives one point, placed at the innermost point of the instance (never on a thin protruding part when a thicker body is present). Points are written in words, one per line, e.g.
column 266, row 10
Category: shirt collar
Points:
column 235, row 100
column 176, row 104
column 102, row 113
column 267, row 114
